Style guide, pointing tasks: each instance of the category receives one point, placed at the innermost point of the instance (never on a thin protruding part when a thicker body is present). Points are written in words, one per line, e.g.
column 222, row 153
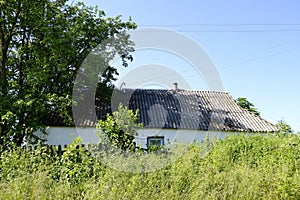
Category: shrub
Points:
column 119, row 128
column 239, row 167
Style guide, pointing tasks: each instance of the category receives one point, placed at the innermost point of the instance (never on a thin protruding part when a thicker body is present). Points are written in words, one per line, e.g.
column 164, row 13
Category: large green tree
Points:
column 42, row 46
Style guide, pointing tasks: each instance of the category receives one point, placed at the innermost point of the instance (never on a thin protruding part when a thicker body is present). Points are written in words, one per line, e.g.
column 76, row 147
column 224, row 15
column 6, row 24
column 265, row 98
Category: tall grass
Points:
column 253, row 167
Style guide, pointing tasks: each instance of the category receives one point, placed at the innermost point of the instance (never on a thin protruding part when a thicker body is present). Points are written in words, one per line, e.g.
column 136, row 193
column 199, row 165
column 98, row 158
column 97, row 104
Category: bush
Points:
column 239, row 167
column 119, row 128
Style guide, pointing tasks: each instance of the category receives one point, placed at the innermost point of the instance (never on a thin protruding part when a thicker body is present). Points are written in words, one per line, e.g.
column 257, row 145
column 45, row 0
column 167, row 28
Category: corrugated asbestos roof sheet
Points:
column 186, row 109
column 182, row 109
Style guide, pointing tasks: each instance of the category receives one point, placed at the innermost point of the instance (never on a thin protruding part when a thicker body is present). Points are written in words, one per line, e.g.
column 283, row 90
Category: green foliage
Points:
column 283, row 127
column 157, row 148
column 244, row 103
column 119, row 129
column 239, row 167
column 42, row 46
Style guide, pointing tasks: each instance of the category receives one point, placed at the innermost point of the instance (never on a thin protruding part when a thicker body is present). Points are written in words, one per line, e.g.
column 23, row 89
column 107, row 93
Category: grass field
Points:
column 254, row 167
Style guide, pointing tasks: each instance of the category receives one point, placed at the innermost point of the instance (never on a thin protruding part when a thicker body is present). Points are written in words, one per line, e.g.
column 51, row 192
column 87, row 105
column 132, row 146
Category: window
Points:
column 155, row 141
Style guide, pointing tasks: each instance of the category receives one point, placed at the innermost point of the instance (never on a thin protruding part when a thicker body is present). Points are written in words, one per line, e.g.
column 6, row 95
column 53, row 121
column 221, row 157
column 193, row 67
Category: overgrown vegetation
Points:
column 120, row 128
column 239, row 167
column 283, row 127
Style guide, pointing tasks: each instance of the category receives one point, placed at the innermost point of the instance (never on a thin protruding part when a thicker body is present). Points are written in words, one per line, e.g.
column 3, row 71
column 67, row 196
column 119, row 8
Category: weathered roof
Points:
column 180, row 109
column 187, row 109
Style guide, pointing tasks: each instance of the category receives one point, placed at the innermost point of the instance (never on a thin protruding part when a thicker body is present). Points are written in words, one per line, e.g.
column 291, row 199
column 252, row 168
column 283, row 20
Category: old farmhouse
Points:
column 167, row 116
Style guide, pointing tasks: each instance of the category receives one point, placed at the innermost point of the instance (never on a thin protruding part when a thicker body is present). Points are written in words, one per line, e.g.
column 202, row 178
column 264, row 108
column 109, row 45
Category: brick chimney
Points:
column 175, row 86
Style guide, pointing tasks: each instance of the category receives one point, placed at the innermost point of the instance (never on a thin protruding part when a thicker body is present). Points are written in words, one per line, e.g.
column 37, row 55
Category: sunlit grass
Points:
column 253, row 167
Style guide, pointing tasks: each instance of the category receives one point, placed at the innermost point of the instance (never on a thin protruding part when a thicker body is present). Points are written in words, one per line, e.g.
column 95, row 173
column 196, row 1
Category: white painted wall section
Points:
column 65, row 135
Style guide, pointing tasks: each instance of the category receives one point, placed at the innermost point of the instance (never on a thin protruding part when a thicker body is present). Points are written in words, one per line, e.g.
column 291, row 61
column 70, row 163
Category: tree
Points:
column 119, row 128
column 283, row 127
column 244, row 103
column 43, row 44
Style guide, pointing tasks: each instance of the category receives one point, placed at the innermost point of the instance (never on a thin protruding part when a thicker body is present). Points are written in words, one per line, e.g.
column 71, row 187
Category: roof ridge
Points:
column 188, row 90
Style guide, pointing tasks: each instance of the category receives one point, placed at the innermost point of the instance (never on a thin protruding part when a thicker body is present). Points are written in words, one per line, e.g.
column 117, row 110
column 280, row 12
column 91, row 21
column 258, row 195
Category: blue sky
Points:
column 255, row 45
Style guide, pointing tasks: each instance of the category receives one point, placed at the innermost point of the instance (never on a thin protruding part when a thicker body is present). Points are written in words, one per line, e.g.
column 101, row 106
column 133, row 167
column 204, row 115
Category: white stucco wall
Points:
column 65, row 135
